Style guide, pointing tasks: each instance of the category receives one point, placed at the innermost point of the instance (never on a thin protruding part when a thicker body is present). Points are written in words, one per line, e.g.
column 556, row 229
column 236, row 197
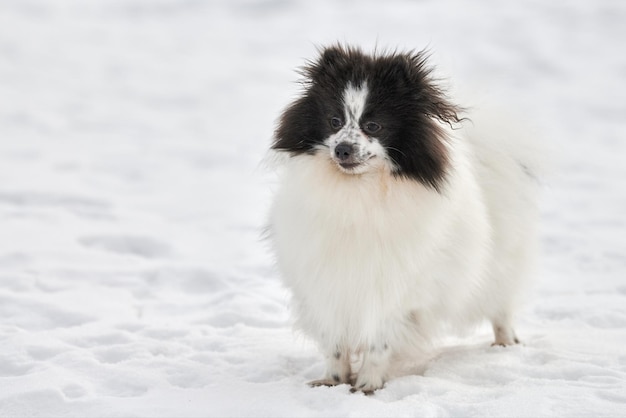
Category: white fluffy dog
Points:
column 396, row 219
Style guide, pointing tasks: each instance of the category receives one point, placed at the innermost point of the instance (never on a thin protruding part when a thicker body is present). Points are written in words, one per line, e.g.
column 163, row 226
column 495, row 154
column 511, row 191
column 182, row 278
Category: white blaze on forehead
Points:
column 354, row 99
column 367, row 152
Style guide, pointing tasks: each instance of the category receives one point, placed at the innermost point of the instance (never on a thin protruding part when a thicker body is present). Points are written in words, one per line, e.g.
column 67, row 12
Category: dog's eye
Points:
column 371, row 127
column 336, row 123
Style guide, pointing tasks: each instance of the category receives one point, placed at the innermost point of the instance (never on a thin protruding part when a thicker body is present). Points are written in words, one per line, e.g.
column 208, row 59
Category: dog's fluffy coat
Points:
column 395, row 220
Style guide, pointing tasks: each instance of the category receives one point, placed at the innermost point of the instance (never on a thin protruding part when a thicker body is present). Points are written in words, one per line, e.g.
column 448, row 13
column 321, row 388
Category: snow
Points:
column 132, row 197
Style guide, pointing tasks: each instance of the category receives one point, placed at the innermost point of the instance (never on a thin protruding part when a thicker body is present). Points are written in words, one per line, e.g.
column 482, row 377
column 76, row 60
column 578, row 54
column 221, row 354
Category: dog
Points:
column 397, row 219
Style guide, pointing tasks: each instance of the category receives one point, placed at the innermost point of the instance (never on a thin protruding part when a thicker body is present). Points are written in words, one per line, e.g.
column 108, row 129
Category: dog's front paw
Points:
column 368, row 383
column 334, row 380
column 324, row 382
column 504, row 333
column 505, row 343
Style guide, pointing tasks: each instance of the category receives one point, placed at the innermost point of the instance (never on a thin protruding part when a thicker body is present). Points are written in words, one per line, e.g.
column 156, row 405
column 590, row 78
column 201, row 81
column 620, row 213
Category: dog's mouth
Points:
column 348, row 166
column 352, row 166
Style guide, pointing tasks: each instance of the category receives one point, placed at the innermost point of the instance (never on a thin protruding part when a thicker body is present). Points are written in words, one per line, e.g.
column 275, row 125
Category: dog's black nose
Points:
column 344, row 151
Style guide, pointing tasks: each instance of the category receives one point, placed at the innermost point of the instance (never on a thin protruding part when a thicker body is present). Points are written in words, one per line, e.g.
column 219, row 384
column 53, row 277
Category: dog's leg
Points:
column 503, row 331
column 374, row 370
column 337, row 368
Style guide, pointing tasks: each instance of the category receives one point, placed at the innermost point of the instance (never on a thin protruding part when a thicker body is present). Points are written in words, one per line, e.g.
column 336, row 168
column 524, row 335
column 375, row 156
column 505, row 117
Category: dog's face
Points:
column 354, row 142
column 368, row 113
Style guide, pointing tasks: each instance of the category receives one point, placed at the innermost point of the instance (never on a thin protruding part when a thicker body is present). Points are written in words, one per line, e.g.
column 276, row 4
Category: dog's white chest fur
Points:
column 363, row 253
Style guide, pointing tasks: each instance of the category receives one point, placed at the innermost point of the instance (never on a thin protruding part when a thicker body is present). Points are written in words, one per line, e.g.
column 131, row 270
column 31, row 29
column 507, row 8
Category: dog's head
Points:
column 370, row 112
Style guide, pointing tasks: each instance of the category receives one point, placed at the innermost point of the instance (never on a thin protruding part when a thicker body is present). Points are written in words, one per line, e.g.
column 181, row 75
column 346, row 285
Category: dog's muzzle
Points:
column 347, row 155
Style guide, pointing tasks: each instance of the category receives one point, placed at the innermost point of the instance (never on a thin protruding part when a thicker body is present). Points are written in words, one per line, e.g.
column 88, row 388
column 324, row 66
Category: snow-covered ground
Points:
column 132, row 278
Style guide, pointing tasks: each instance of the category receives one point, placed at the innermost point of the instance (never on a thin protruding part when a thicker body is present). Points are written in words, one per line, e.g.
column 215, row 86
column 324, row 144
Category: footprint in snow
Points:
column 74, row 391
column 136, row 245
column 11, row 366
column 79, row 205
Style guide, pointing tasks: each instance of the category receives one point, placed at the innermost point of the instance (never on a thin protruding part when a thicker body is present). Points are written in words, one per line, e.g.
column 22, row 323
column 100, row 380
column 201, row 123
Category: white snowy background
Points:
column 132, row 278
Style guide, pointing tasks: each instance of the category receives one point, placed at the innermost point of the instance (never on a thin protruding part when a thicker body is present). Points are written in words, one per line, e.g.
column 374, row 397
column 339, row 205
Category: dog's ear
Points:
column 396, row 70
column 332, row 56
column 426, row 90
column 334, row 66
column 299, row 127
